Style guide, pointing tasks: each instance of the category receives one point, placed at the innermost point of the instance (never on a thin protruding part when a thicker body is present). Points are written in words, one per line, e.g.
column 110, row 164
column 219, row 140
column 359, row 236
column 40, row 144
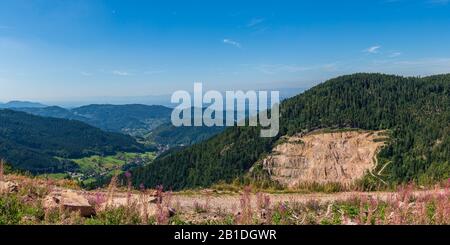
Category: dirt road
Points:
column 231, row 202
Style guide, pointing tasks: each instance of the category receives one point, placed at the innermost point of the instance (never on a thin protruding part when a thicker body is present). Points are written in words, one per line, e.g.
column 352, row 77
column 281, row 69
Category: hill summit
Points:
column 414, row 111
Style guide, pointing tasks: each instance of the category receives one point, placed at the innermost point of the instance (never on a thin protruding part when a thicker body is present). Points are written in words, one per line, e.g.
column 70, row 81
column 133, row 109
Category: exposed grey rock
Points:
column 69, row 201
column 8, row 187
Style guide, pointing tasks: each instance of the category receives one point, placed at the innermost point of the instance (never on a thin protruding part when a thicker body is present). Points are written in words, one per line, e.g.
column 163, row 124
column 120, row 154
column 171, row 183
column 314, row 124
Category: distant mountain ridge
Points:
column 132, row 119
column 21, row 104
column 40, row 144
column 142, row 121
column 148, row 122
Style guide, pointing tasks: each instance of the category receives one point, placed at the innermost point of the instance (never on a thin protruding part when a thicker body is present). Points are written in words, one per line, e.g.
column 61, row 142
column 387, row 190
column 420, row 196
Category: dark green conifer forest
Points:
column 415, row 112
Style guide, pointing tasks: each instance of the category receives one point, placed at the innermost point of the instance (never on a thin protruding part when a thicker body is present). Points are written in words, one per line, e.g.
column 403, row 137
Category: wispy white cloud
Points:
column 407, row 67
column 392, row 1
column 121, row 73
column 372, row 50
column 257, row 25
column 152, row 72
column 86, row 74
column 438, row 2
column 273, row 69
column 286, row 68
column 232, row 42
column 254, row 22
column 429, row 2
column 395, row 54
column 12, row 44
column 426, row 62
column 330, row 67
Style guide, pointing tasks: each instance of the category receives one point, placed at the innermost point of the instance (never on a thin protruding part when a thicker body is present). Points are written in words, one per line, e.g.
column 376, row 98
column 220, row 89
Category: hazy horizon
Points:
column 163, row 99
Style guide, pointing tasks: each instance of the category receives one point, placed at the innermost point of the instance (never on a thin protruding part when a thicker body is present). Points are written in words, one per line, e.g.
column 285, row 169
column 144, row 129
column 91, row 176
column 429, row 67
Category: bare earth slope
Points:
column 323, row 157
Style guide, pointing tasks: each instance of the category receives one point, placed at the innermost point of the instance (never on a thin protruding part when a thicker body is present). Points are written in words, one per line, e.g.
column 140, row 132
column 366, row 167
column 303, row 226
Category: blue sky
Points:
column 78, row 49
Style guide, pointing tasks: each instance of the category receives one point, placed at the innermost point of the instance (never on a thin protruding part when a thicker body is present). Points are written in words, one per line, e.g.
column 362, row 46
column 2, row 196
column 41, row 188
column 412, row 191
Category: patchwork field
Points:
column 94, row 167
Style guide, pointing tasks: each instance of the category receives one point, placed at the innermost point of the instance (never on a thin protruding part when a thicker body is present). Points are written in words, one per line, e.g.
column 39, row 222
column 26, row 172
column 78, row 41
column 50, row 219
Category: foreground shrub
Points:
column 13, row 210
column 116, row 216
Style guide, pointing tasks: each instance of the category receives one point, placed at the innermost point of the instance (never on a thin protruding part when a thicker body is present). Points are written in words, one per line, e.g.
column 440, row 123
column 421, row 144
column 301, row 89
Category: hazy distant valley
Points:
column 146, row 129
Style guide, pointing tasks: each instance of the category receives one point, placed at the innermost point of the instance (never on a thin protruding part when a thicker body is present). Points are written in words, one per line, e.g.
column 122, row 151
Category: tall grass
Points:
column 406, row 205
column 1, row 170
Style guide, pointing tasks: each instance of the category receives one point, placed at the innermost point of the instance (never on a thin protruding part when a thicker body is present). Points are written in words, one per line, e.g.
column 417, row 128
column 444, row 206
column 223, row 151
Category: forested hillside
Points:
column 167, row 134
column 143, row 121
column 37, row 144
column 21, row 104
column 52, row 111
column 128, row 119
column 415, row 111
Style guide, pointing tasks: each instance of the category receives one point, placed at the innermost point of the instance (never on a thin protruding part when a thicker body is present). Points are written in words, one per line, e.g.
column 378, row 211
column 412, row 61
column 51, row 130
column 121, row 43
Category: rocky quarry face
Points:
column 341, row 157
